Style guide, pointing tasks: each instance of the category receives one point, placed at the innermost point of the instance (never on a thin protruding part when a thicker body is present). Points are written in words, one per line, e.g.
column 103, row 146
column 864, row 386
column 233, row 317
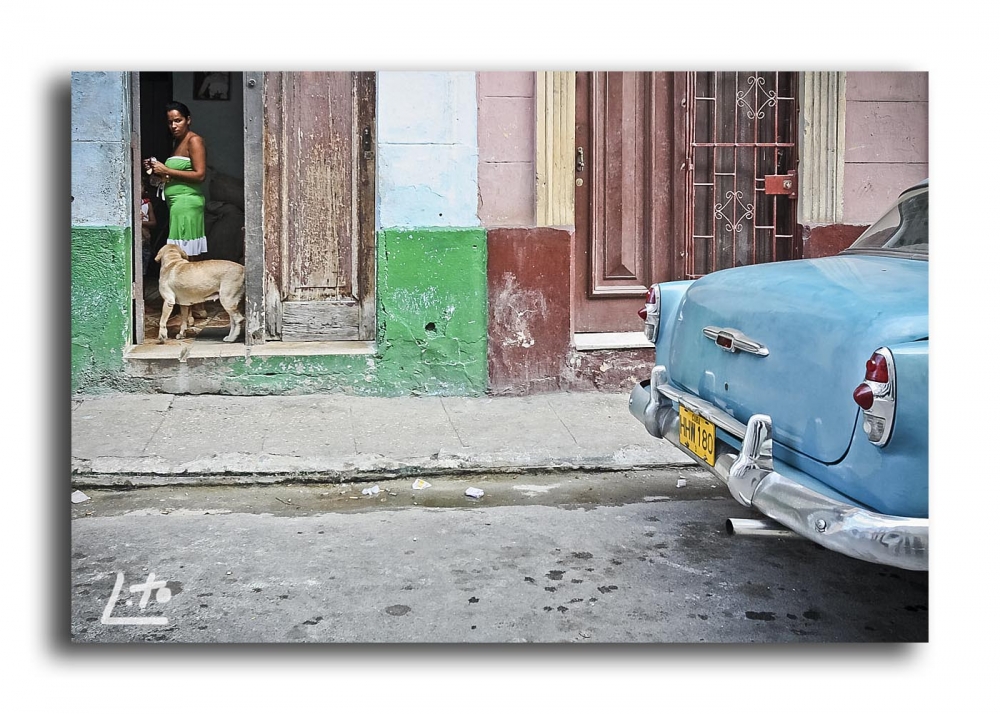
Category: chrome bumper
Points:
column 754, row 479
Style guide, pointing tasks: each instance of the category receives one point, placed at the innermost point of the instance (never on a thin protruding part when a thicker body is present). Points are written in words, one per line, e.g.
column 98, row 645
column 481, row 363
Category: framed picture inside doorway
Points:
column 211, row 85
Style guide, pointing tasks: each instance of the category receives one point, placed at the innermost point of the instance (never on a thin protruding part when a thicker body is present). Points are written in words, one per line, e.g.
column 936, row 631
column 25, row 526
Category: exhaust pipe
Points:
column 758, row 527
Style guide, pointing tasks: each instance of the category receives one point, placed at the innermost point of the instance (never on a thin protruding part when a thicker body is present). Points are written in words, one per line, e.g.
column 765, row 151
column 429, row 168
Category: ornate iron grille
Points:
column 741, row 127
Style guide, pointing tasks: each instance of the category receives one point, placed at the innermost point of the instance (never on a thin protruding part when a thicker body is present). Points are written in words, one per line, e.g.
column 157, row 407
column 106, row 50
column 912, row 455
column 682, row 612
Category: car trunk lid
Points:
column 819, row 320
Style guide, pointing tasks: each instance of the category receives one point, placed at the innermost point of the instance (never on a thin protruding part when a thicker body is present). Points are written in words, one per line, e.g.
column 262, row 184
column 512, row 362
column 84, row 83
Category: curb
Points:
column 243, row 469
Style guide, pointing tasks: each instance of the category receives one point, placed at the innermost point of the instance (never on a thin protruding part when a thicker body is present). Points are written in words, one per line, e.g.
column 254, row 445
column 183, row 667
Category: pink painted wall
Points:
column 506, row 149
column 886, row 140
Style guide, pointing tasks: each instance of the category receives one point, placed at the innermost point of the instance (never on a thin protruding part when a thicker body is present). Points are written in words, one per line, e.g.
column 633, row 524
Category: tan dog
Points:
column 185, row 283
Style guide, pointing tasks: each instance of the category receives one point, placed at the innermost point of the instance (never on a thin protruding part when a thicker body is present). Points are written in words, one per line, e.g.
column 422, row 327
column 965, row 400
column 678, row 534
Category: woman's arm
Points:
column 196, row 149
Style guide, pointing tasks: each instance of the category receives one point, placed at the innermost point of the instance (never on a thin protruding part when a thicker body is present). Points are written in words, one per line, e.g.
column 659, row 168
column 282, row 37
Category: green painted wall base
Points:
column 430, row 332
column 432, row 310
column 100, row 306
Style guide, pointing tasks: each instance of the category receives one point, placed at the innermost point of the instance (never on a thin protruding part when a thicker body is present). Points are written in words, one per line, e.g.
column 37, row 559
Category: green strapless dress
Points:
column 187, row 210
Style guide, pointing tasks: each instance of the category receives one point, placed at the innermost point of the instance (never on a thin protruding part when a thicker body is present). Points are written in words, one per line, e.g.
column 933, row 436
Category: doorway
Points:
column 215, row 100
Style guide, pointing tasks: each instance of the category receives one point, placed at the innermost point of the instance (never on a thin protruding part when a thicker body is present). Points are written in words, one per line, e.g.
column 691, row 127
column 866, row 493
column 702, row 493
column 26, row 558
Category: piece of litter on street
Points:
column 682, row 482
column 473, row 492
column 420, row 484
column 79, row 497
column 370, row 491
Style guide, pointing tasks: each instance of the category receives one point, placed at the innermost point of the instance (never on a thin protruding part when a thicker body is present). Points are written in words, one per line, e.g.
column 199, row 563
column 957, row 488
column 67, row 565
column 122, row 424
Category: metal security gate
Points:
column 741, row 170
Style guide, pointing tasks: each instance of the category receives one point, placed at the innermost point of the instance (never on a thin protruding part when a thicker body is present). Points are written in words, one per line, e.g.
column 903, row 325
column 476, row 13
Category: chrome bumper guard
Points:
column 753, row 481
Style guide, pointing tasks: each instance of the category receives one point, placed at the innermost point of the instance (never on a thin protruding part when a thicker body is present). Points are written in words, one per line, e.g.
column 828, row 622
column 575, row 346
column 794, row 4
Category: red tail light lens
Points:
column 651, row 296
column 877, row 369
column 643, row 313
column 864, row 397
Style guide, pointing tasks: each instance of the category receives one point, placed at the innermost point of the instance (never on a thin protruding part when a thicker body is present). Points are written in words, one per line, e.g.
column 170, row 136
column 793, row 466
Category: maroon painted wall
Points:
column 528, row 273
column 821, row 241
column 609, row 370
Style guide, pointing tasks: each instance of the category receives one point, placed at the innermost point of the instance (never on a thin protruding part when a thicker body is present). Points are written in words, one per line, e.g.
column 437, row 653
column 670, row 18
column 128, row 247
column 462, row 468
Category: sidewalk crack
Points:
column 163, row 419
column 460, row 441
column 559, row 417
column 354, row 424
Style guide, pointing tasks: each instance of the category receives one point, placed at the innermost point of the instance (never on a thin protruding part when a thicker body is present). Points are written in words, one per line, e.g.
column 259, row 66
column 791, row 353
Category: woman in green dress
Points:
column 183, row 174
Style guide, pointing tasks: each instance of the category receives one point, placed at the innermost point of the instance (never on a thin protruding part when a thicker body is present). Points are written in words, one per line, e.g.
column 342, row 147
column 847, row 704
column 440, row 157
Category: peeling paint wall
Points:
column 608, row 370
column 100, row 231
column 431, row 256
column 432, row 311
column 529, row 326
column 100, row 302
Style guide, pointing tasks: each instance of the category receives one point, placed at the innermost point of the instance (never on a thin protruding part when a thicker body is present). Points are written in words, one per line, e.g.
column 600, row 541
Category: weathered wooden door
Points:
column 319, row 206
column 627, row 199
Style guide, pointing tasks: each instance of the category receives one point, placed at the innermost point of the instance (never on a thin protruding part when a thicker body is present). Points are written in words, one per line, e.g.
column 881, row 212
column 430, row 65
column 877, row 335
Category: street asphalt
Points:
column 160, row 439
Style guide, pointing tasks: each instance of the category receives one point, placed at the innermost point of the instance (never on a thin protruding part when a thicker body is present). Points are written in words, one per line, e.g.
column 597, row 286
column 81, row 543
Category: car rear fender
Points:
column 891, row 479
column 909, row 433
column 671, row 298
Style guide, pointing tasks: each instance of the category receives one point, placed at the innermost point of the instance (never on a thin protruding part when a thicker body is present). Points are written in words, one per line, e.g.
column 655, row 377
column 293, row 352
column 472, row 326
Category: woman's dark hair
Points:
column 182, row 108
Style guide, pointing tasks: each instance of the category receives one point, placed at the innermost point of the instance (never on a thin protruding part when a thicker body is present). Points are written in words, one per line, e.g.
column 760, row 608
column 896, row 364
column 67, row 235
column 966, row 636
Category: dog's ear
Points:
column 159, row 255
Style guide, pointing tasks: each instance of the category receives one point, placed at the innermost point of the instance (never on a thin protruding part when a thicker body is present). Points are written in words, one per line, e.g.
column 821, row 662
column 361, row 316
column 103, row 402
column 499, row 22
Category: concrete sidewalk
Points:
column 213, row 439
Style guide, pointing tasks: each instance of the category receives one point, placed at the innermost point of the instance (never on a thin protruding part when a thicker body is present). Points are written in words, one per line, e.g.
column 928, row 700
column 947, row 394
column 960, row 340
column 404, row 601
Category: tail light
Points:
column 877, row 396
column 650, row 314
column 877, row 369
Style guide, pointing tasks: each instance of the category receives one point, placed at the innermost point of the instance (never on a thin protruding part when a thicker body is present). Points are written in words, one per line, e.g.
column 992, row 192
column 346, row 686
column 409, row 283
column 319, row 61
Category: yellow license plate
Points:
column 697, row 434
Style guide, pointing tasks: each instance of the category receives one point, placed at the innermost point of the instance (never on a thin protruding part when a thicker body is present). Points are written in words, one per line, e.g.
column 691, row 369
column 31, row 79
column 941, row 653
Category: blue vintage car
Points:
column 802, row 385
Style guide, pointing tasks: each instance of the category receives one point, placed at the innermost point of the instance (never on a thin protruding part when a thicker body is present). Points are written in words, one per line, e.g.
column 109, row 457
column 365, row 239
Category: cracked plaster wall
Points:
column 432, row 310
column 100, row 234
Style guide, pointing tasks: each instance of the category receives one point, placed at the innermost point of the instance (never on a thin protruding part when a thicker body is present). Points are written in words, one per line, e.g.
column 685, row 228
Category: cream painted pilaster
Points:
column 555, row 95
column 821, row 151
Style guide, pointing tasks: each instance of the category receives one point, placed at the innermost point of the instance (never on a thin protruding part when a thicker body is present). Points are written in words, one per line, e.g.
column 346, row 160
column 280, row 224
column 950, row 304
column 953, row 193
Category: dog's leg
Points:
column 185, row 318
column 168, row 307
column 235, row 320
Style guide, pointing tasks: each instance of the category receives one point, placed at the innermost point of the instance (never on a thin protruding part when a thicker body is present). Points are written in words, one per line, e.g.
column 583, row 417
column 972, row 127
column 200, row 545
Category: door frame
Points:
column 138, row 289
column 253, row 206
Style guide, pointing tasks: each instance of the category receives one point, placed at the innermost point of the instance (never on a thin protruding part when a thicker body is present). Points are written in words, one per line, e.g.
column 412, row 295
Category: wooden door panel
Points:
column 624, row 199
column 318, row 154
column 621, row 261
column 319, row 206
column 302, row 321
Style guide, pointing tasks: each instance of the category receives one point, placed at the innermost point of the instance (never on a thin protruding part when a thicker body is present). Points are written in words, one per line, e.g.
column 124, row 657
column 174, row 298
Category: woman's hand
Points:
column 158, row 168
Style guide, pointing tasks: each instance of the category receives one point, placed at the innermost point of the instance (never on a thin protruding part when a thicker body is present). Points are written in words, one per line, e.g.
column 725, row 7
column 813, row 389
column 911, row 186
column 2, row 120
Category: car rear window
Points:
column 901, row 231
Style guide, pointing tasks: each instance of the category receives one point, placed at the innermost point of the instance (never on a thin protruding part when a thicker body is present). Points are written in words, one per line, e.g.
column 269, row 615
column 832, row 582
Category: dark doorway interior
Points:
column 219, row 120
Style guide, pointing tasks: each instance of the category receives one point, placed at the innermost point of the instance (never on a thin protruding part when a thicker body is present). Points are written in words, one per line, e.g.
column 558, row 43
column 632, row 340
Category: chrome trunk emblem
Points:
column 732, row 340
